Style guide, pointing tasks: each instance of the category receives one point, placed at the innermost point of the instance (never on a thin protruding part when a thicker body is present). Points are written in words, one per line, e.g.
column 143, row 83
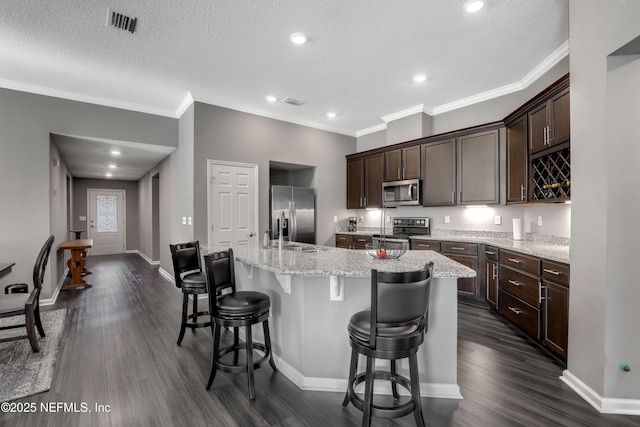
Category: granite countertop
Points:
column 551, row 251
column 314, row 260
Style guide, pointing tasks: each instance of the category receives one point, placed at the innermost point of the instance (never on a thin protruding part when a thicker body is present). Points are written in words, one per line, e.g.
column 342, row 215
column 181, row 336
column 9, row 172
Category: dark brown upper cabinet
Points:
column 439, row 185
column 403, row 163
column 364, row 181
column 549, row 123
column 479, row 168
column 517, row 170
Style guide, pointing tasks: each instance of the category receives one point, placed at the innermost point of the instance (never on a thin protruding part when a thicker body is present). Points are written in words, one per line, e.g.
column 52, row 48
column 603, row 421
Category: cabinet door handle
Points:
column 457, row 248
column 550, row 134
column 495, row 271
column 546, row 135
column 399, row 176
column 420, row 245
column 555, row 273
column 513, row 282
column 490, row 252
column 403, row 175
column 365, row 202
column 517, row 261
column 516, row 310
column 453, row 197
column 522, row 192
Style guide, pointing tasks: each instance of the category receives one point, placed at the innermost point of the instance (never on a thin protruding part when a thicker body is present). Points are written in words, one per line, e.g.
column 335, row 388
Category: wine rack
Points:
column 551, row 176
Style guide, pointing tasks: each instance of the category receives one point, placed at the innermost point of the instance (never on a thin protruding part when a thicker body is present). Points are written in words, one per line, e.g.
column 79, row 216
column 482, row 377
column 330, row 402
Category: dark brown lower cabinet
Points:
column 520, row 313
column 555, row 306
column 471, row 288
column 491, row 275
column 352, row 241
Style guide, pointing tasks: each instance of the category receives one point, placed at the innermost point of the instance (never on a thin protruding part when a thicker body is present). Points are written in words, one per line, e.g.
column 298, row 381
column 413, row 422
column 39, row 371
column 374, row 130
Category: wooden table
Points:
column 77, row 262
column 5, row 268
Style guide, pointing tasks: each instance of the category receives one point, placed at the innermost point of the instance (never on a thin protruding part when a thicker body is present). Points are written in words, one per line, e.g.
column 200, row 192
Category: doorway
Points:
column 107, row 212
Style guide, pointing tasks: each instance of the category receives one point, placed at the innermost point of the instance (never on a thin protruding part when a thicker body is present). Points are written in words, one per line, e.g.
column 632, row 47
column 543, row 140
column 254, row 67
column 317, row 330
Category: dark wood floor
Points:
column 119, row 349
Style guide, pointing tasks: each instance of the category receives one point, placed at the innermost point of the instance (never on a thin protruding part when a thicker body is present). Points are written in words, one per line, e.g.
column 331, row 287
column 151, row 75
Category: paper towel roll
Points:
column 517, row 228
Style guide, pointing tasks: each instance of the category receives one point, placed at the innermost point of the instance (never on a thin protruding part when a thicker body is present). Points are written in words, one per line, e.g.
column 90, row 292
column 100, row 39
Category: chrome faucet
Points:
column 280, row 228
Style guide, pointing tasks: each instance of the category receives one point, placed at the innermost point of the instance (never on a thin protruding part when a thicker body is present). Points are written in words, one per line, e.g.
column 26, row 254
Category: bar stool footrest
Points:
column 236, row 369
column 379, row 410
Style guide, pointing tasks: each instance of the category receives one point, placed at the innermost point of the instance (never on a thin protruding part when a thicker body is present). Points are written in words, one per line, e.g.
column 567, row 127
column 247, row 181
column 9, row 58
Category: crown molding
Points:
column 184, row 105
column 404, row 113
column 372, row 129
column 79, row 97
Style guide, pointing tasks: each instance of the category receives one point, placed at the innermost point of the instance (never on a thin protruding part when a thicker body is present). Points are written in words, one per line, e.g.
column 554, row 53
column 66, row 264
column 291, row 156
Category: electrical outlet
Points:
column 189, row 220
column 388, row 218
column 539, row 220
column 335, row 218
column 497, row 220
column 361, row 219
column 184, row 220
column 447, row 219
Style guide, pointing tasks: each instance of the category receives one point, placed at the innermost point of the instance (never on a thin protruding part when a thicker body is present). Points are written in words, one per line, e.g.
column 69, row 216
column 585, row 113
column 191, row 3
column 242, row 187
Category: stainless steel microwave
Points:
column 402, row 193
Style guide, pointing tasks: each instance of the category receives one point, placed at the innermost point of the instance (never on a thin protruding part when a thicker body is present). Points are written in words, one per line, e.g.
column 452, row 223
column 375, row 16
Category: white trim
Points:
column 144, row 257
column 211, row 162
column 604, row 405
column 443, row 391
column 164, row 273
column 184, row 105
column 404, row 113
column 56, row 291
column 80, row 97
column 372, row 129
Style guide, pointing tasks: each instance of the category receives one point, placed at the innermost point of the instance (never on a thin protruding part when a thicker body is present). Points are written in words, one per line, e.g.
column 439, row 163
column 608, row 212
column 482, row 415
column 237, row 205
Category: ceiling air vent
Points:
column 118, row 20
column 292, row 101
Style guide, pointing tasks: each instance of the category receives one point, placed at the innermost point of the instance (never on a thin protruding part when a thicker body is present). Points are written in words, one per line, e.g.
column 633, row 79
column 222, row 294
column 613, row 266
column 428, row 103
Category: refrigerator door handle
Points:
column 294, row 222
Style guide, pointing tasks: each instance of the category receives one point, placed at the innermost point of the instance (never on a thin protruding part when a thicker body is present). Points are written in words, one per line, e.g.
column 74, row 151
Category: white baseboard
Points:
column 144, row 257
column 166, row 275
column 444, row 391
column 604, row 405
column 56, row 291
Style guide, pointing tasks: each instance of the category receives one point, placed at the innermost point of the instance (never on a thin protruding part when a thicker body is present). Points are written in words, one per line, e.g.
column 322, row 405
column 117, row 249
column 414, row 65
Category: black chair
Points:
column 231, row 308
column 28, row 304
column 191, row 279
column 392, row 329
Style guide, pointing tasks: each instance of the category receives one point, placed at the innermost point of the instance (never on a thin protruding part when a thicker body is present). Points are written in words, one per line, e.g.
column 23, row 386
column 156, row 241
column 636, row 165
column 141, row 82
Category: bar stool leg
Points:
column 214, row 356
column 368, row 393
column 415, row 389
column 394, row 385
column 236, row 345
column 185, row 310
column 195, row 311
column 267, row 343
column 352, row 374
column 249, row 343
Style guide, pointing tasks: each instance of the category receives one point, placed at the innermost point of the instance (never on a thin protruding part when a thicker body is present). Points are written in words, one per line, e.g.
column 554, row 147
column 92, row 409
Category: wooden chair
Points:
column 191, row 279
column 392, row 329
column 231, row 308
column 28, row 304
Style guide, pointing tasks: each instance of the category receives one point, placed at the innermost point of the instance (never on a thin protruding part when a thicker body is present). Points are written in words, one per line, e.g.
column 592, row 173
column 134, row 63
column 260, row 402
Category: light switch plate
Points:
column 498, row 220
column 184, row 220
column 388, row 218
column 447, row 219
column 539, row 220
column 335, row 218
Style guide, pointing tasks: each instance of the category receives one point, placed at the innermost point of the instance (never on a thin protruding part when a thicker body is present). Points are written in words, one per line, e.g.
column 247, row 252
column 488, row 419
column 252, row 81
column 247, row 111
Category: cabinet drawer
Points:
column 520, row 313
column 491, row 253
column 470, row 249
column 520, row 285
column 521, row 262
column 432, row 245
column 343, row 238
column 359, row 242
column 555, row 272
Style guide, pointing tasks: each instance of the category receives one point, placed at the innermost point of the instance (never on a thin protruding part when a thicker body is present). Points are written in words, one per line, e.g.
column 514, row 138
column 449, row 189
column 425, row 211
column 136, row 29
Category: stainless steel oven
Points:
column 403, row 229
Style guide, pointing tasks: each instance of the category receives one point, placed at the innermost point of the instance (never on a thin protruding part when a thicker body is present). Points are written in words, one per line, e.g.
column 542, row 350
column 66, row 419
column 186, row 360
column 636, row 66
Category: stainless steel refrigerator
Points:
column 299, row 207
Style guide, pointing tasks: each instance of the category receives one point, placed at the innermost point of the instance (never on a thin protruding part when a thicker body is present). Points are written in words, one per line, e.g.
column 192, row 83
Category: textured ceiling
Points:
column 359, row 60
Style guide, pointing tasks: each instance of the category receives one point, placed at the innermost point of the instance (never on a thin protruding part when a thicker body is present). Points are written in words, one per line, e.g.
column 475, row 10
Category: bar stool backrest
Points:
column 220, row 272
column 186, row 259
column 399, row 299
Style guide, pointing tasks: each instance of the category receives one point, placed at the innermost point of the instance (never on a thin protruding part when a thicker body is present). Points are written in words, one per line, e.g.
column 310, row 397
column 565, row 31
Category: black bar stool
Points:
column 191, row 279
column 231, row 308
column 392, row 329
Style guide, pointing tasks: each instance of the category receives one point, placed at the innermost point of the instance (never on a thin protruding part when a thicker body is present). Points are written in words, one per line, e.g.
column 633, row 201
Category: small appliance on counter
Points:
column 353, row 223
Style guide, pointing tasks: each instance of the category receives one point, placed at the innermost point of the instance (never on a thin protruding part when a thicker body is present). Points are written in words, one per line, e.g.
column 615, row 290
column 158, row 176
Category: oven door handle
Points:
column 391, row 239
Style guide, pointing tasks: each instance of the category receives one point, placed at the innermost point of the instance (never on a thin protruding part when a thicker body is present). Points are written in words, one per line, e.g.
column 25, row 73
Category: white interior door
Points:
column 106, row 221
column 233, row 205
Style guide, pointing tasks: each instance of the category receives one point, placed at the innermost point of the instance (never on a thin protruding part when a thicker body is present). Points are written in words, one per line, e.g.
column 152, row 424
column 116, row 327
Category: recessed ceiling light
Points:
column 331, row 115
column 298, row 38
column 115, row 152
column 112, row 166
column 108, row 175
column 473, row 6
column 271, row 98
column 419, row 78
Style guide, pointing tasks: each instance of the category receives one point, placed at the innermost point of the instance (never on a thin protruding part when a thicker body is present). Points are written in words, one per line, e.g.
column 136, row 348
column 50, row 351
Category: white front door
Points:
column 106, row 221
column 233, row 204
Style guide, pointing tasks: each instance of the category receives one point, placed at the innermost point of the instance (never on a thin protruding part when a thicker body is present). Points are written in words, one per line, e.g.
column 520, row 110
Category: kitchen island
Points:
column 314, row 291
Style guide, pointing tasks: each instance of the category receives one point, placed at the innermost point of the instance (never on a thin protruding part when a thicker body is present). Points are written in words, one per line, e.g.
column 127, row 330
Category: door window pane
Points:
column 107, row 214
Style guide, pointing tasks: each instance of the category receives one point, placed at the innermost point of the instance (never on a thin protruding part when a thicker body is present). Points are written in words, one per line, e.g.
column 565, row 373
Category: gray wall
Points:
column 132, row 218
column 228, row 135
column 26, row 121
column 603, row 323
column 60, row 199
